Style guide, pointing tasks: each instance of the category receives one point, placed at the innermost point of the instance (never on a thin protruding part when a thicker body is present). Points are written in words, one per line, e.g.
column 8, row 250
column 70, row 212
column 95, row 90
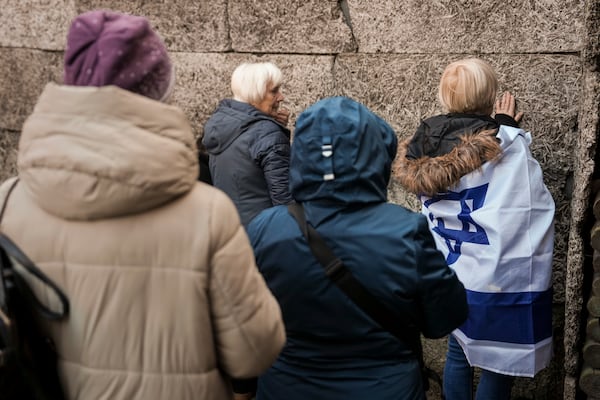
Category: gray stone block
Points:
column 185, row 25
column 294, row 26
column 570, row 388
column 25, row 74
column 479, row 26
column 584, row 166
column 35, row 24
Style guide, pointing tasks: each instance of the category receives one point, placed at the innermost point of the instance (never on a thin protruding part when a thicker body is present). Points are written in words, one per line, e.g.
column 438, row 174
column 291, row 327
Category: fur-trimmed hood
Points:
column 430, row 175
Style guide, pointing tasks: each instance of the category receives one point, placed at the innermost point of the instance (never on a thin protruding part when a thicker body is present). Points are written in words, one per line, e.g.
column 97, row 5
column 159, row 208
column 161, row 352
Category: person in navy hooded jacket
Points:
column 340, row 167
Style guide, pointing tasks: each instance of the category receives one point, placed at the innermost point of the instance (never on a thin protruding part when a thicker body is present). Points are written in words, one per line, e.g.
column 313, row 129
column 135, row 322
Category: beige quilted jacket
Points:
column 166, row 300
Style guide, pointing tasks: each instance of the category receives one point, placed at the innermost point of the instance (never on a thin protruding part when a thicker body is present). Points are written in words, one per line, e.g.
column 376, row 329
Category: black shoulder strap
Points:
column 10, row 252
column 10, row 189
column 343, row 278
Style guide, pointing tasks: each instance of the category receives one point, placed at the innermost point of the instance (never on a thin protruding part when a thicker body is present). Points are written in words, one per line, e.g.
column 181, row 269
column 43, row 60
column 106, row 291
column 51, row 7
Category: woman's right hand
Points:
column 507, row 105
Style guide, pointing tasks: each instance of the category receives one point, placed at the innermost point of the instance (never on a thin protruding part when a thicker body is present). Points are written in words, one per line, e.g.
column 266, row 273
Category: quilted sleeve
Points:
column 248, row 326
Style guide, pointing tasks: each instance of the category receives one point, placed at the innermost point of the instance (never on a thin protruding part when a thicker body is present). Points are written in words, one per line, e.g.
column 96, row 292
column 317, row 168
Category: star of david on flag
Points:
column 471, row 232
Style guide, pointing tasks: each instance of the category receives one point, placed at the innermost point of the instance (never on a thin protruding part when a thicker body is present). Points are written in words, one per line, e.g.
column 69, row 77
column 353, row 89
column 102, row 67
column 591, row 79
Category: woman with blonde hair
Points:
column 492, row 217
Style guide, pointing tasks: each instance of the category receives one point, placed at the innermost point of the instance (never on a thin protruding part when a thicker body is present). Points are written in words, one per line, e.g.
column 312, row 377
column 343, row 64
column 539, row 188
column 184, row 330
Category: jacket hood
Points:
column 341, row 152
column 230, row 120
column 443, row 150
column 88, row 152
column 438, row 135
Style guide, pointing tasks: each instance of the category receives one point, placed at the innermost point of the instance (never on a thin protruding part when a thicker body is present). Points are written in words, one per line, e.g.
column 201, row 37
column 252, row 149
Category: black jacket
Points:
column 249, row 157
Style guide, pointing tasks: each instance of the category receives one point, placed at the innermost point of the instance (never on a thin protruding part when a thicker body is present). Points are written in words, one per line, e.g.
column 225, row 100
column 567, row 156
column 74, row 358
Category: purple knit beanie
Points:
column 110, row 48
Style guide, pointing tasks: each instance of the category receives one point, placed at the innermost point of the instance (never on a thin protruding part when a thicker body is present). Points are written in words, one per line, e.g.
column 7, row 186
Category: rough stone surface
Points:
column 474, row 26
column 185, row 25
column 24, row 74
column 8, row 153
column 294, row 26
column 389, row 55
column 202, row 80
column 583, row 170
column 434, row 355
column 570, row 391
column 34, row 23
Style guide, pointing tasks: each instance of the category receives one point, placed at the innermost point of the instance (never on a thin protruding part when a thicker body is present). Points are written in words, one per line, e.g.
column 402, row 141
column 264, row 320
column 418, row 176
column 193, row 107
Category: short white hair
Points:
column 249, row 81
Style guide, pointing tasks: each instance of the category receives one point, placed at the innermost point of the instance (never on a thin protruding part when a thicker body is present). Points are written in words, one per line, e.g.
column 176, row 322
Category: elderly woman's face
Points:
column 270, row 103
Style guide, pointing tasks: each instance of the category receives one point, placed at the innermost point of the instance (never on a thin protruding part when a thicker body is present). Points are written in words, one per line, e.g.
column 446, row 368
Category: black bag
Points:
column 343, row 278
column 203, row 162
column 28, row 361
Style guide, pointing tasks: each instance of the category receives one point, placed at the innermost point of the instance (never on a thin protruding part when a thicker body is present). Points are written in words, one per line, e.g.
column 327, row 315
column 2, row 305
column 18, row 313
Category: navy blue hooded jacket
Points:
column 340, row 167
column 249, row 157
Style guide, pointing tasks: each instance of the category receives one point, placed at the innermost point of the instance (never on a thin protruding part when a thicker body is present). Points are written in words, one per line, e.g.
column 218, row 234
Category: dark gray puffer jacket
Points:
column 249, row 157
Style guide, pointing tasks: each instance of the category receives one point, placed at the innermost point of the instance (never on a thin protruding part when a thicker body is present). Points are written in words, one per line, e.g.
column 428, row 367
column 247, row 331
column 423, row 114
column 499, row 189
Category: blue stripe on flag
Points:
column 524, row 317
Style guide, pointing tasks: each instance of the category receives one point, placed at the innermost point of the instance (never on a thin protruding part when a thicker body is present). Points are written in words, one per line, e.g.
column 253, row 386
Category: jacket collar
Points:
column 438, row 135
column 96, row 152
column 430, row 175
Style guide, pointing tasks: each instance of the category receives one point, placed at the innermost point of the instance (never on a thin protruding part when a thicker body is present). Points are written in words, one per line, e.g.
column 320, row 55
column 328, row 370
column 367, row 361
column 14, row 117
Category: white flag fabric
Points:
column 496, row 229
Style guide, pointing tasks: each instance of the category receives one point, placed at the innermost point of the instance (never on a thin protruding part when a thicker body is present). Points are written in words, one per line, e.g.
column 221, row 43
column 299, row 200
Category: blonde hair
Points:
column 468, row 86
column 249, row 81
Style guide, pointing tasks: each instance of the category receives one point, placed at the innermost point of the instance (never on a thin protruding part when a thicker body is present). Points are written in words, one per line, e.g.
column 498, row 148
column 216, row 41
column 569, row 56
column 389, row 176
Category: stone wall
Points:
column 590, row 376
column 387, row 54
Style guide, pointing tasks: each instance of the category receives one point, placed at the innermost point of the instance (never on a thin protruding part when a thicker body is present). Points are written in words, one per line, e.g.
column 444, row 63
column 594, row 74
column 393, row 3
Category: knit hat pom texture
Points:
column 110, row 48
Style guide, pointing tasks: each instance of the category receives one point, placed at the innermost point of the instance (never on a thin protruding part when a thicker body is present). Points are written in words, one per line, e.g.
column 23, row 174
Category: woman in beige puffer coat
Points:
column 166, row 300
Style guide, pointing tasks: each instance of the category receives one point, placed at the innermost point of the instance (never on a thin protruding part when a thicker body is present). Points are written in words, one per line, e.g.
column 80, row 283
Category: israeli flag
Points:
column 496, row 229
